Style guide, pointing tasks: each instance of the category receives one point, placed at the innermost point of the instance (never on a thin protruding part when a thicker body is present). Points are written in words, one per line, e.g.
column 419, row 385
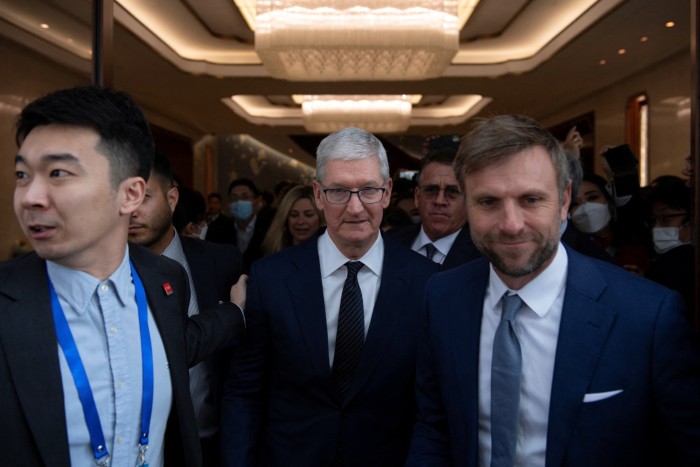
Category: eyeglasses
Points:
column 431, row 192
column 367, row 195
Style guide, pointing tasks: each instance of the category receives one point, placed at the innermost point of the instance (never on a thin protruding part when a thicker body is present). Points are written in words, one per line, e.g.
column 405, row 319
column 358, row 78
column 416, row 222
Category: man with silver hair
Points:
column 325, row 375
column 536, row 354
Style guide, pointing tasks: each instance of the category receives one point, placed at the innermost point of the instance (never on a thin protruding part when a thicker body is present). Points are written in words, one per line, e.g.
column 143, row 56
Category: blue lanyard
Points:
column 82, row 384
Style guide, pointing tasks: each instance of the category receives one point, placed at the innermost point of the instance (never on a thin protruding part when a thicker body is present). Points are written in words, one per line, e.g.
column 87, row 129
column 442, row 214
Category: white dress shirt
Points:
column 103, row 319
column 442, row 245
column 333, row 274
column 537, row 328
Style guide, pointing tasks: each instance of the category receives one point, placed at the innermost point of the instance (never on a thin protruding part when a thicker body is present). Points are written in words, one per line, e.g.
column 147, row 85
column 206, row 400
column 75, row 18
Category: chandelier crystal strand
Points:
column 313, row 40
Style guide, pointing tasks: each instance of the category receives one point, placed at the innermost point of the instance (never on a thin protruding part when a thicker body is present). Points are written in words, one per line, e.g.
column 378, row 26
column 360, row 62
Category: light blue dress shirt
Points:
column 103, row 318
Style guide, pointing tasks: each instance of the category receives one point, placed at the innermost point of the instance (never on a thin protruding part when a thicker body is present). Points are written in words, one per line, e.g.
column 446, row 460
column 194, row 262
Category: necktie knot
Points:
column 430, row 251
column 353, row 268
column 511, row 306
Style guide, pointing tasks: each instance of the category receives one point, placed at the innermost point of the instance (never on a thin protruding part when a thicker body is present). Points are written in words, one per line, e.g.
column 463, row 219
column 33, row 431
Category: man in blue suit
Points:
column 297, row 393
column 603, row 368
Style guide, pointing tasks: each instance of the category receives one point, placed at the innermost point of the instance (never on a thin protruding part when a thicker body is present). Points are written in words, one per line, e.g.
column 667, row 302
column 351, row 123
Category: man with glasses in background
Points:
column 442, row 236
column 325, row 375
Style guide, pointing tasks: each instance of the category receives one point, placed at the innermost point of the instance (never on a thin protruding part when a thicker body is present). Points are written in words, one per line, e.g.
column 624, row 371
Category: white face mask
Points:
column 591, row 217
column 665, row 238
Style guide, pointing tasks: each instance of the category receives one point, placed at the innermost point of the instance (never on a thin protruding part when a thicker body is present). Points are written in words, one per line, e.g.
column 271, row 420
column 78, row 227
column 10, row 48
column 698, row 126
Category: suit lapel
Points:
column 584, row 328
column 388, row 308
column 462, row 251
column 305, row 290
column 29, row 340
column 464, row 306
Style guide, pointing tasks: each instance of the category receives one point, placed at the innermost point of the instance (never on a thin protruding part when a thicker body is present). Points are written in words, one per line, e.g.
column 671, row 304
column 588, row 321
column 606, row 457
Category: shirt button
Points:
column 112, row 330
column 119, row 439
column 120, row 384
column 104, row 287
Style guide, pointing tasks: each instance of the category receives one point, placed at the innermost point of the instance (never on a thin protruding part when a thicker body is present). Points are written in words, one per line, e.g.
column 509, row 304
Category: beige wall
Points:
column 667, row 85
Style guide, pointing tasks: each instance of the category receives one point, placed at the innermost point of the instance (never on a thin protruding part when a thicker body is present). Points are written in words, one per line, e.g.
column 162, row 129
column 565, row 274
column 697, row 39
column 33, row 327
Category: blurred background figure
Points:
column 395, row 217
column 213, row 207
column 297, row 219
column 593, row 212
column 669, row 216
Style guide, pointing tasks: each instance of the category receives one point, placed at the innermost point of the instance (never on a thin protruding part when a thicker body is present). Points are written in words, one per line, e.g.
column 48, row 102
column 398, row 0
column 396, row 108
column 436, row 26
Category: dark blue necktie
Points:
column 350, row 336
column 430, row 251
column 506, row 368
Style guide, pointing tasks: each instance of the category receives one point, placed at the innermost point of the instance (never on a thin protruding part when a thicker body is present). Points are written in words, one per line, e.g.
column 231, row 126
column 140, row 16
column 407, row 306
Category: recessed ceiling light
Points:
column 643, row 39
column 670, row 24
column 44, row 26
column 602, row 61
column 621, row 52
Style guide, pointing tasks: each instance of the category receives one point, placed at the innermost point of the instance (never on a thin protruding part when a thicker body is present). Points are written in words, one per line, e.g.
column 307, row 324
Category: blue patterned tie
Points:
column 350, row 336
column 506, row 367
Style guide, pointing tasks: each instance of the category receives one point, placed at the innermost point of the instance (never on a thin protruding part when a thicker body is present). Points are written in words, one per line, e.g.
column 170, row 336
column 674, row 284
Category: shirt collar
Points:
column 332, row 259
column 540, row 293
column 174, row 249
column 77, row 287
column 443, row 244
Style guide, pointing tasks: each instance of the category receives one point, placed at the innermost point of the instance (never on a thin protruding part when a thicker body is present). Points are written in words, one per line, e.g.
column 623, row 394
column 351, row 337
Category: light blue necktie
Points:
column 506, row 368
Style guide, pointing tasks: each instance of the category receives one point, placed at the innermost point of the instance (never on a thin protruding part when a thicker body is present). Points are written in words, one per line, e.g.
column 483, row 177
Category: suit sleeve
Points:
column 676, row 381
column 213, row 329
column 430, row 441
column 242, row 407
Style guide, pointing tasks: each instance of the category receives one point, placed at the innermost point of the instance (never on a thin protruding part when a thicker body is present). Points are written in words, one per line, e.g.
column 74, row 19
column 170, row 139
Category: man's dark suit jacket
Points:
column 214, row 268
column 281, row 405
column 33, row 429
column 463, row 249
column 618, row 332
column 223, row 230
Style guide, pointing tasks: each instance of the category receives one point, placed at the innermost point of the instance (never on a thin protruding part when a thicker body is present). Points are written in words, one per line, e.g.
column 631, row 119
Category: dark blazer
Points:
column 281, row 405
column 617, row 331
column 215, row 268
column 582, row 243
column 33, row 430
column 223, row 230
column 462, row 251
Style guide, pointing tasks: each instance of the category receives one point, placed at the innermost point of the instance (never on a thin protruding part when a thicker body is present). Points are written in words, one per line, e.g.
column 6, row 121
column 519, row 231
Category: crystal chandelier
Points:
column 375, row 113
column 338, row 40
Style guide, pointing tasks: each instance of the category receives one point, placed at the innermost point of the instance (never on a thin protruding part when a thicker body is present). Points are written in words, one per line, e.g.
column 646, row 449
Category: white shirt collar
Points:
column 540, row 293
column 332, row 259
column 443, row 244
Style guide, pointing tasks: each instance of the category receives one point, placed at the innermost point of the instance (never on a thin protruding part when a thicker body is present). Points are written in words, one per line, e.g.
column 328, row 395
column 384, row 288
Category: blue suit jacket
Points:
column 617, row 331
column 281, row 405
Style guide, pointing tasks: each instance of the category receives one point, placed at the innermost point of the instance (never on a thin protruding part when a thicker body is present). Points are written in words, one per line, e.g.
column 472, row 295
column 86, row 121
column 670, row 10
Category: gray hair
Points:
column 496, row 139
column 350, row 144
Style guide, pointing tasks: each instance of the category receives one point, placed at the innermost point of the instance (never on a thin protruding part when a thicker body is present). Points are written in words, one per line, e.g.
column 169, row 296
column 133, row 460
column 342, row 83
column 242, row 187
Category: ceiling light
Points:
column 643, row 39
column 621, row 52
column 44, row 26
column 376, row 113
column 602, row 61
column 314, row 40
column 670, row 24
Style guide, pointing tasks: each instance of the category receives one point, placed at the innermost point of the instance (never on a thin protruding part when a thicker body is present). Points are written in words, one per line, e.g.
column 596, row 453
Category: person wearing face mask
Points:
column 592, row 213
column 669, row 208
column 249, row 225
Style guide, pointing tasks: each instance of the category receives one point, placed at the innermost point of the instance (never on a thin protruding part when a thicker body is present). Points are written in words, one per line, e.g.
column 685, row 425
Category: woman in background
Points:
column 297, row 219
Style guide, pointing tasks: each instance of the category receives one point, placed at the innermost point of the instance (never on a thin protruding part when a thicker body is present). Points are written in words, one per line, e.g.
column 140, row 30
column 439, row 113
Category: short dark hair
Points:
column 163, row 169
column 445, row 156
column 672, row 191
column 214, row 195
column 125, row 137
column 246, row 182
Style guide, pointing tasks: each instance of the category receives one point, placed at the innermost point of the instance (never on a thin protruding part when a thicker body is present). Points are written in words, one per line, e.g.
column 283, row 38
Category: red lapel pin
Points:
column 168, row 289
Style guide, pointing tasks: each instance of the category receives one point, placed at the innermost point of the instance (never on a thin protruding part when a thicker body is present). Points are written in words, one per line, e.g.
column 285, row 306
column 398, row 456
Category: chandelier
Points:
column 339, row 40
column 374, row 113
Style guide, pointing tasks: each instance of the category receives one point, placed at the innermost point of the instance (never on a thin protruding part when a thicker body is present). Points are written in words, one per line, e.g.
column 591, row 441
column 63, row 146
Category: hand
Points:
column 573, row 142
column 238, row 291
column 191, row 230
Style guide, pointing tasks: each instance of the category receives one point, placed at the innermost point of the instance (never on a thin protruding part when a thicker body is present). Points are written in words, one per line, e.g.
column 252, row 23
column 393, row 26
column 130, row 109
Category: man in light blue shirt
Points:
column 95, row 343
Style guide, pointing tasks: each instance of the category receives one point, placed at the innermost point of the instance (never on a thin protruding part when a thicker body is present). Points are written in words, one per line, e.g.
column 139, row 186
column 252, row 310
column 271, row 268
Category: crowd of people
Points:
column 500, row 308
